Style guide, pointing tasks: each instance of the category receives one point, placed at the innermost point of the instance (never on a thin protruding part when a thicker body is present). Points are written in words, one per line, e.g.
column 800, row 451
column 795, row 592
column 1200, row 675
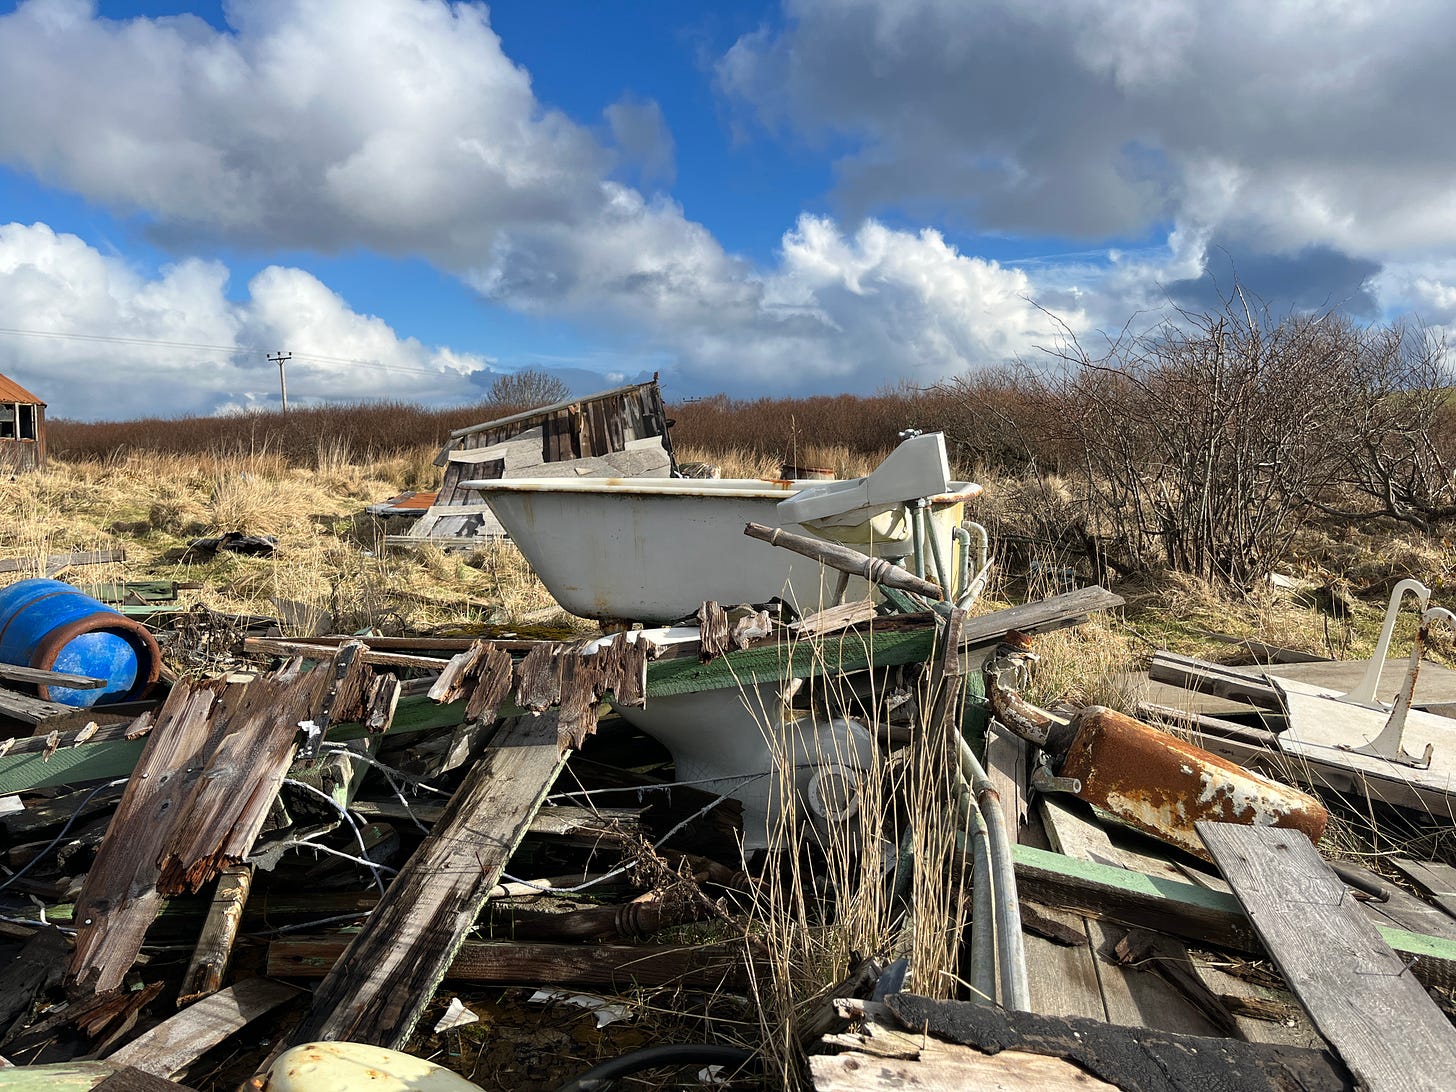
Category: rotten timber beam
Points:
column 517, row 963
column 377, row 990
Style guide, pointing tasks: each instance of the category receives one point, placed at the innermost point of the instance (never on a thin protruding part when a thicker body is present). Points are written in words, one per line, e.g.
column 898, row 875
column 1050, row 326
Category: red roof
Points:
column 11, row 391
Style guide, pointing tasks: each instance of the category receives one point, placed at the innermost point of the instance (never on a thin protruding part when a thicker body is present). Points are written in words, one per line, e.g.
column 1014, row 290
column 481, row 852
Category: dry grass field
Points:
column 331, row 564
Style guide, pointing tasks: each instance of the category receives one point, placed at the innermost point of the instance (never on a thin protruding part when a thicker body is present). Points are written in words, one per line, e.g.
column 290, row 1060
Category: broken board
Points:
column 377, row 990
column 1358, row 991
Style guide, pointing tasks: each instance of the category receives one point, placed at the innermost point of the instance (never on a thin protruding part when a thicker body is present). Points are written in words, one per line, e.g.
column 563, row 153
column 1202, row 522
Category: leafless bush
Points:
column 525, row 389
column 995, row 419
column 1402, row 432
column 1203, row 440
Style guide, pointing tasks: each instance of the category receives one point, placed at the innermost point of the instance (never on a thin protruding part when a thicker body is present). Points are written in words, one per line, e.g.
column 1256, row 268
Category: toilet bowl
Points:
column 782, row 764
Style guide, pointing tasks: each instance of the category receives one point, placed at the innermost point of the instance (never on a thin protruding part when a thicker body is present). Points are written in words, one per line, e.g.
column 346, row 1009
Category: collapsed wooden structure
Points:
column 623, row 432
column 274, row 836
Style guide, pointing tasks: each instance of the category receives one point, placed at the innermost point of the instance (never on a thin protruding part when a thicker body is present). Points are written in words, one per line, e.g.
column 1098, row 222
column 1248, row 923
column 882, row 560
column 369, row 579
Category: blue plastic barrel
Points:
column 52, row 626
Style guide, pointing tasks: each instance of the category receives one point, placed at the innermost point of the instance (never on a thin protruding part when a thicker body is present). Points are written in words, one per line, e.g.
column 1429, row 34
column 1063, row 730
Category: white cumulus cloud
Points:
column 175, row 343
column 402, row 127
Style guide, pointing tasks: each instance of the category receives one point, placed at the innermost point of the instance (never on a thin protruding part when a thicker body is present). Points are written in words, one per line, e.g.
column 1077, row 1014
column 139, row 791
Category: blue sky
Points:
column 413, row 196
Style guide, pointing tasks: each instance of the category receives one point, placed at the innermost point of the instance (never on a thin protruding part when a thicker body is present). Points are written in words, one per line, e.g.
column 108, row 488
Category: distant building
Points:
column 620, row 433
column 22, row 428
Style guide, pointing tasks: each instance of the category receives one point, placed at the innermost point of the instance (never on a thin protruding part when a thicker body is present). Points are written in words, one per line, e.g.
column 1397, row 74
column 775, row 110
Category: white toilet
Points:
column 747, row 743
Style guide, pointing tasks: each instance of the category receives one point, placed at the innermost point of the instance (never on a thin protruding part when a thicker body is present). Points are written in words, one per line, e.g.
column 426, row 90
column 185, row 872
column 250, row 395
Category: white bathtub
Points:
column 653, row 549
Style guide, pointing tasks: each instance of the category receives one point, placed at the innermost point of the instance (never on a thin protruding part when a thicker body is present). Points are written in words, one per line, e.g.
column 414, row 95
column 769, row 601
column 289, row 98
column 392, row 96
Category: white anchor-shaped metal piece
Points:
column 1387, row 744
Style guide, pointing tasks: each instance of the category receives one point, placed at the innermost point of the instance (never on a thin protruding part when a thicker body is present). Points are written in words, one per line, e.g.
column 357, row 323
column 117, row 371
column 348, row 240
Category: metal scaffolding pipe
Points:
column 983, row 897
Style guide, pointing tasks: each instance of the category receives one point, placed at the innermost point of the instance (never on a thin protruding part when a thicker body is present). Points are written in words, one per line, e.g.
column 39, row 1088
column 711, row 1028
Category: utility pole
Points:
column 280, row 358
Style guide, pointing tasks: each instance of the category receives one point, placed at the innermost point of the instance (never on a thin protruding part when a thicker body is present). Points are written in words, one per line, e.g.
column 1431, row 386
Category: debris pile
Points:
column 342, row 847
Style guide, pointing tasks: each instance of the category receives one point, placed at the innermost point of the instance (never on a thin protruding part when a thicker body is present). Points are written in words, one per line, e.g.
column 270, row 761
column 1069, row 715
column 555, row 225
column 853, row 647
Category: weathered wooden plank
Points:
column 833, row 619
column 1355, row 987
column 174, row 1044
column 35, row 676
column 1072, row 835
column 54, row 563
column 220, row 929
column 1204, row 677
column 120, row 898
column 101, row 1019
column 197, row 800
column 581, row 685
column 516, row 963
column 28, row 709
column 1008, row 766
column 323, row 650
column 394, row 965
column 1435, row 879
column 1061, row 977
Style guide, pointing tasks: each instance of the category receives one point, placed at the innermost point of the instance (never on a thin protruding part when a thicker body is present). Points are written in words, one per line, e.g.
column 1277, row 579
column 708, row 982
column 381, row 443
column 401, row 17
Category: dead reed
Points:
column 848, row 816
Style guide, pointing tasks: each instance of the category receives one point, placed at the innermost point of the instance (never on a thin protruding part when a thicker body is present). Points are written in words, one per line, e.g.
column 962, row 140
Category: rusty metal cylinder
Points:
column 1162, row 785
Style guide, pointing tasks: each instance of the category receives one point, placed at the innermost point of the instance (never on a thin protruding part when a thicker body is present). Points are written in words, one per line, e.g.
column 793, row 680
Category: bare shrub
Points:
column 524, row 390
column 994, row 419
column 791, row 429
column 1402, row 429
column 1202, row 441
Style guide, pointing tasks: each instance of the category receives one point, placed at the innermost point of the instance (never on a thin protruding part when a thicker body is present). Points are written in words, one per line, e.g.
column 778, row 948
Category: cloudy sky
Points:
column 411, row 196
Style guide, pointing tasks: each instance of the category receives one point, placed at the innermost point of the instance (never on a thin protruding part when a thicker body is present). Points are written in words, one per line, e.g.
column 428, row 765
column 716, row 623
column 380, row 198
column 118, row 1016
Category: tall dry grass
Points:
column 331, row 568
column 881, row 877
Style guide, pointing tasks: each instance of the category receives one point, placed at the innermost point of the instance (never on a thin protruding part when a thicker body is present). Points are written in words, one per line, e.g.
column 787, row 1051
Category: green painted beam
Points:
column 61, row 1077
column 1186, row 909
column 834, row 654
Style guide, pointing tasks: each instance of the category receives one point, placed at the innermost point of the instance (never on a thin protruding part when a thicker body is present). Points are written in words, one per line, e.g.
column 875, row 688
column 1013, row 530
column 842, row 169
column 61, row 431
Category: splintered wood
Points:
column 195, row 803
column 549, row 674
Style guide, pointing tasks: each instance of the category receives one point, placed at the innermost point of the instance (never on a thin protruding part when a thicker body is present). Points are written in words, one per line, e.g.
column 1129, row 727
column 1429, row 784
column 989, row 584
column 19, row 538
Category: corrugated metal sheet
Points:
column 11, row 391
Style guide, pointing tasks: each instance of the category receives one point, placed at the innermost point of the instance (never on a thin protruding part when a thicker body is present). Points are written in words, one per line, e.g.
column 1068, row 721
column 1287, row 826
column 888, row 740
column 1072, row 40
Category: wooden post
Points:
column 377, row 990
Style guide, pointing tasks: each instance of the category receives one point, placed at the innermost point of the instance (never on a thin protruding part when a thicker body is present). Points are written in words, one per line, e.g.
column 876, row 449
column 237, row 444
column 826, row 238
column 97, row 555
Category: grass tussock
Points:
column 842, row 889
